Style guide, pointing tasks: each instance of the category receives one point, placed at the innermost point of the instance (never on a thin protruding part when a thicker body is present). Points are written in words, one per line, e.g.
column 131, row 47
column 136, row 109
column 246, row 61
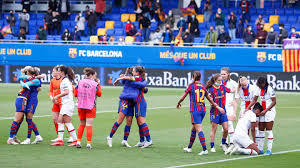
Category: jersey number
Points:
column 200, row 98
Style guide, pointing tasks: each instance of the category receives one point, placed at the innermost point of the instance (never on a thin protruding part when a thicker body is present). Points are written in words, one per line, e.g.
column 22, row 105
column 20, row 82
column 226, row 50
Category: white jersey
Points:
column 244, row 124
column 230, row 84
column 66, row 84
column 266, row 97
column 246, row 95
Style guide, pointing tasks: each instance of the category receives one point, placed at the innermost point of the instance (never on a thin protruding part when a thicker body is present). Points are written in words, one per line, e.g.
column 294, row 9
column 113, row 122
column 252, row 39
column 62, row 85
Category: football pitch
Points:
column 169, row 129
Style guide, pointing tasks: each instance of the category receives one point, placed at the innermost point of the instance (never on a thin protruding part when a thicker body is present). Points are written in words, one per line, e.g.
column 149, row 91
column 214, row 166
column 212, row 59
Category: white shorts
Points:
column 242, row 140
column 67, row 109
column 268, row 117
column 229, row 110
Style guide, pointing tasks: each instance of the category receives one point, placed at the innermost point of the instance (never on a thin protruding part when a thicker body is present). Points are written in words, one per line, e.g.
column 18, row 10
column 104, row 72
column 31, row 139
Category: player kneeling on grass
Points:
column 86, row 92
column 197, row 91
column 242, row 142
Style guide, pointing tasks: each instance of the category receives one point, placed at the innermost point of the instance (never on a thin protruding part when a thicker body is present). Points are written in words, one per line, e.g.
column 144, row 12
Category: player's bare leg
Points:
column 214, row 127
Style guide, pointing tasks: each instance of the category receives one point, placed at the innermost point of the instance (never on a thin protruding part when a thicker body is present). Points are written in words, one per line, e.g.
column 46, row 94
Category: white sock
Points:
column 261, row 140
column 71, row 130
column 61, row 130
column 230, row 131
column 256, row 131
column 247, row 151
column 270, row 139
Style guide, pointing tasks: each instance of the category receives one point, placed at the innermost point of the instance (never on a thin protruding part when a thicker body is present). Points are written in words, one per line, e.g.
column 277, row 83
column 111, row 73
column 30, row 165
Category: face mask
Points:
column 219, row 12
column 293, row 31
column 217, row 84
column 280, row 28
column 261, row 28
column 181, row 18
column 272, row 30
column 249, row 28
column 193, row 16
column 128, row 22
column 170, row 14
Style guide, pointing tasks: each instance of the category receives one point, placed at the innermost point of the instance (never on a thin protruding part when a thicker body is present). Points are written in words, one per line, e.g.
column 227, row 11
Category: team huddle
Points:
column 61, row 93
column 222, row 93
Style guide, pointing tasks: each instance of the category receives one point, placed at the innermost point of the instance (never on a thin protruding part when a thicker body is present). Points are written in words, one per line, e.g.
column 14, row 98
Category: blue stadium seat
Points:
column 40, row 16
column 287, row 27
column 276, row 27
column 297, row 26
column 57, row 37
column 30, row 37
column 203, row 33
column 119, row 32
column 73, row 24
column 40, row 23
column 234, row 41
column 115, row 10
column 292, row 19
column 289, row 11
column 202, row 26
column 136, row 24
column 131, row 10
column 253, row 11
column 197, row 40
column 123, row 10
column 279, row 11
column 52, row 38
column 65, row 23
column 32, row 23
column 116, row 17
column 110, row 32
column 297, row 12
column 118, row 24
column 268, row 4
column 277, row 5
column 100, row 24
column 283, row 19
column 33, row 16
column 270, row 12
column 153, row 26
column 261, row 11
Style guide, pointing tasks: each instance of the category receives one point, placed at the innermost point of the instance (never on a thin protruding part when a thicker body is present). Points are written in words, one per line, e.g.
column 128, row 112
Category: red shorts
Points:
column 56, row 108
column 85, row 113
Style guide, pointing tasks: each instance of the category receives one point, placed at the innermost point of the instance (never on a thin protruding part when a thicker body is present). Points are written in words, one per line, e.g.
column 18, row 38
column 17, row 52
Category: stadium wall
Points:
column 162, row 71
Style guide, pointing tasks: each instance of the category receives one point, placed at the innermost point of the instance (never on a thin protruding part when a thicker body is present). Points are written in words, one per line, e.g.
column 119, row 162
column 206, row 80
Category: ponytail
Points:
column 196, row 76
column 89, row 71
column 68, row 72
column 142, row 71
column 129, row 71
column 211, row 81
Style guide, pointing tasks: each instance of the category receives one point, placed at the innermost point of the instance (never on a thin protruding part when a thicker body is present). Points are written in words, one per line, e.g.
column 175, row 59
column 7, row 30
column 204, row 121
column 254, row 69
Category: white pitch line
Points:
column 233, row 159
column 106, row 111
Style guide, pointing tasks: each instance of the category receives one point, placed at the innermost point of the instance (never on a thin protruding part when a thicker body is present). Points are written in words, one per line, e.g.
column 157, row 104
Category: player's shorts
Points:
column 218, row 119
column 31, row 106
column 56, row 108
column 140, row 109
column 21, row 104
column 86, row 113
column 126, row 107
column 269, row 116
column 229, row 110
column 197, row 117
column 243, row 140
column 67, row 109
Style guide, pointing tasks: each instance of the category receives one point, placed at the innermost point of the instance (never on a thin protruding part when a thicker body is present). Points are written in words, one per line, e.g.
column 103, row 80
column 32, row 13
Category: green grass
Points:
column 169, row 128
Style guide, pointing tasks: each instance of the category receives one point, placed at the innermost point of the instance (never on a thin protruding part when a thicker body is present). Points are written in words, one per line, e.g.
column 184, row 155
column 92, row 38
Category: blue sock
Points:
column 212, row 145
column 223, row 140
column 146, row 132
column 202, row 140
column 142, row 138
column 126, row 132
column 192, row 139
column 30, row 127
column 35, row 130
column 114, row 129
column 13, row 129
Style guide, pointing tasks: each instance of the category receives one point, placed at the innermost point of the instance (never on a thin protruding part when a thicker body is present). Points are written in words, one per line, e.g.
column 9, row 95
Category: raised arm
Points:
column 138, row 84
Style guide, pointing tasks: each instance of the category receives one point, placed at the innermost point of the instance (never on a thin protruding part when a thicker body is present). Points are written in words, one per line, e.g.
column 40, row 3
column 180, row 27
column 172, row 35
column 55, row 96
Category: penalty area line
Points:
column 233, row 159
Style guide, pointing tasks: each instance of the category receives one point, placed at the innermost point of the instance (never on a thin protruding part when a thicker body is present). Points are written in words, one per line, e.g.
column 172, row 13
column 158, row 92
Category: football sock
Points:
column 230, row 131
column 192, row 138
column 146, row 131
column 223, row 141
column 114, row 129
column 19, row 124
column 270, row 139
column 61, row 129
column 35, row 129
column 126, row 132
column 56, row 127
column 30, row 127
column 202, row 140
column 89, row 134
column 261, row 140
column 212, row 144
column 71, row 130
column 142, row 138
column 13, row 129
column 80, row 132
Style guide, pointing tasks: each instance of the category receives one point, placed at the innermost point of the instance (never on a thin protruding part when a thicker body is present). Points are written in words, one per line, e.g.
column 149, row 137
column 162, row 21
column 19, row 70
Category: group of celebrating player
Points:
column 61, row 93
column 223, row 94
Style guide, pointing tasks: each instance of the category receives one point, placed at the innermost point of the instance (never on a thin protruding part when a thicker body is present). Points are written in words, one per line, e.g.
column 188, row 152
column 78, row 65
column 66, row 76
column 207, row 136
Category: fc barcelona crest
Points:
column 73, row 52
column 261, row 56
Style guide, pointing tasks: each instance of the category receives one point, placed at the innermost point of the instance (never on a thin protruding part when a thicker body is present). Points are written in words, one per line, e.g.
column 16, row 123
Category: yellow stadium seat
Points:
column 274, row 19
column 125, row 17
column 93, row 39
column 267, row 26
column 200, row 18
column 101, row 32
column 132, row 17
column 129, row 39
column 109, row 24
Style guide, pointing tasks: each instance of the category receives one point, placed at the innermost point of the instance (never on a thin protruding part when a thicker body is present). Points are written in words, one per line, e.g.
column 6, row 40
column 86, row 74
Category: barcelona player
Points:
column 218, row 92
column 67, row 108
column 267, row 116
column 197, row 92
column 126, row 104
column 86, row 92
column 54, row 90
column 229, row 102
column 34, row 85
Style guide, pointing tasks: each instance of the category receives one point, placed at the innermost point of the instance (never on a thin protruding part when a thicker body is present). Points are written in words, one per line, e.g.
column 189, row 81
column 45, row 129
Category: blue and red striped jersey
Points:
column 197, row 92
column 218, row 94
